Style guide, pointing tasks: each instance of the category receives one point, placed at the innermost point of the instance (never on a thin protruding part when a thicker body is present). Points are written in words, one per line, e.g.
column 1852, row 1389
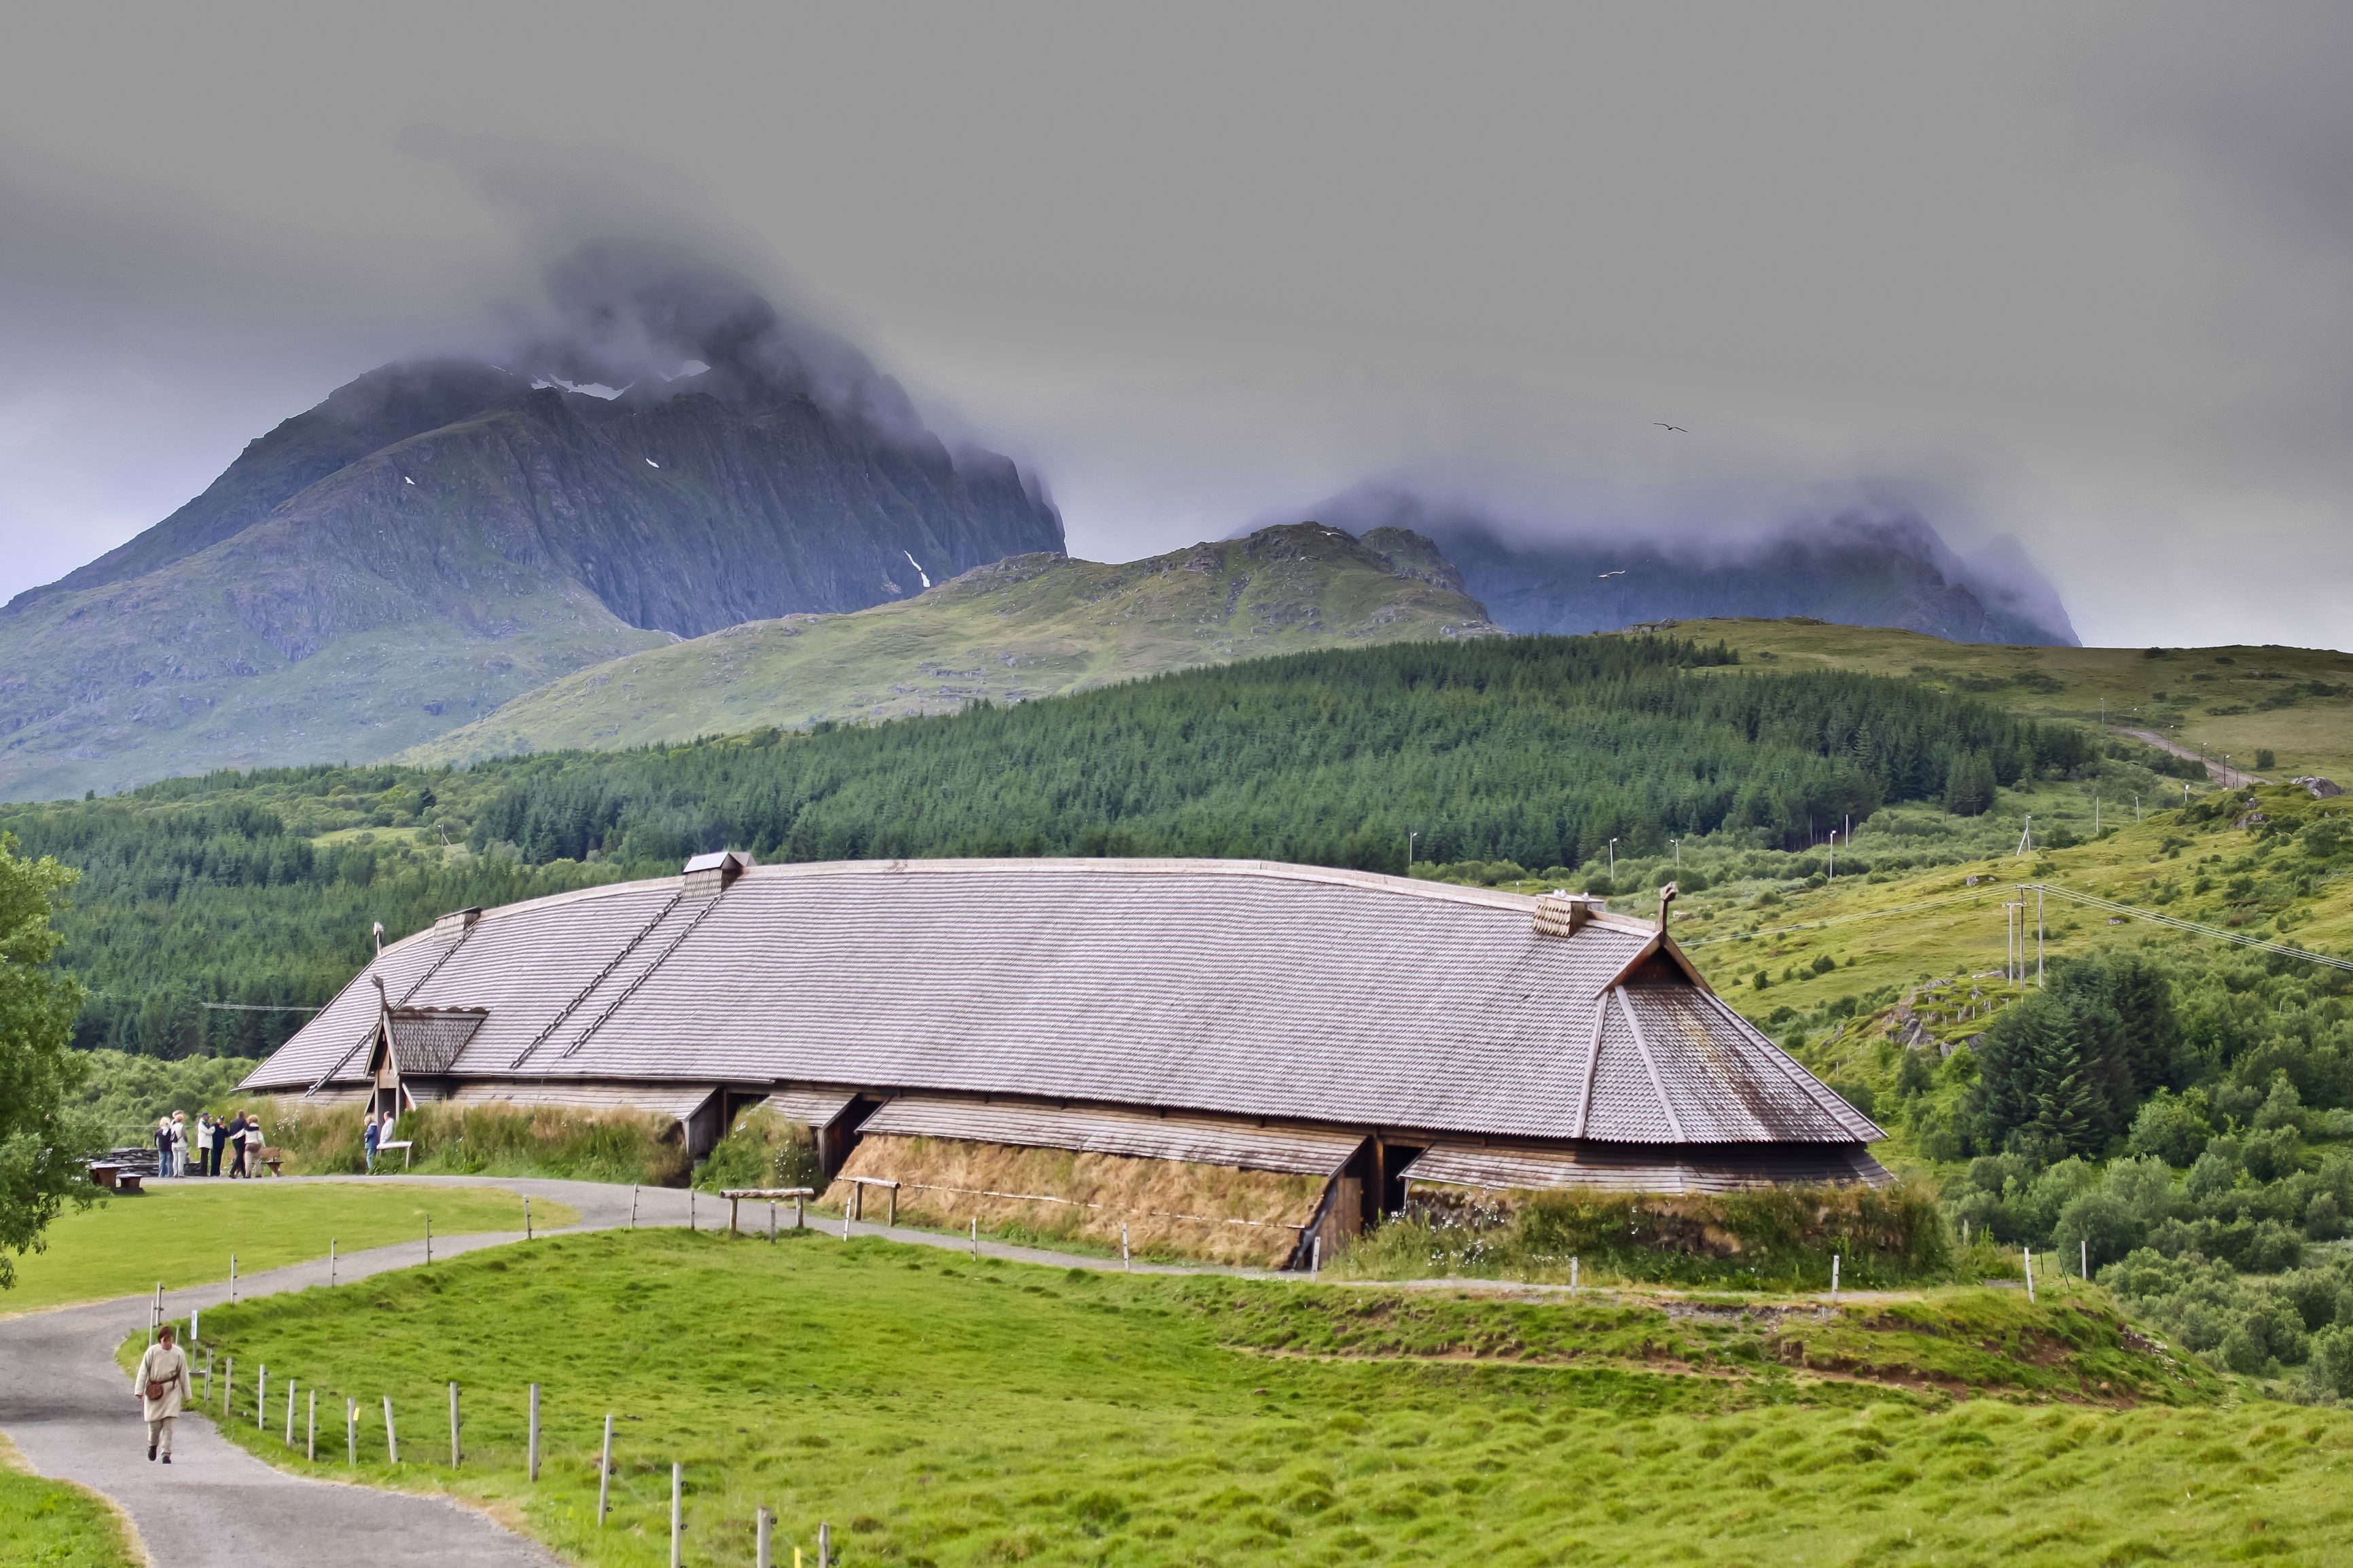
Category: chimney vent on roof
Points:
column 1565, row 914
column 715, row 871
column 459, row 919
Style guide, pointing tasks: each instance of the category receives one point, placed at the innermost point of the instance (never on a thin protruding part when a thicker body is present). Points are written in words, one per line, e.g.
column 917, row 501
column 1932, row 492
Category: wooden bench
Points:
column 858, row 1185
column 271, row 1156
column 800, row 1196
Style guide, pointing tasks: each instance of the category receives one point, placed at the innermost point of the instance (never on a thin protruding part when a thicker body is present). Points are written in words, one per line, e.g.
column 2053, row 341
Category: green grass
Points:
column 2226, row 700
column 57, row 1524
column 936, row 1411
column 183, row 1234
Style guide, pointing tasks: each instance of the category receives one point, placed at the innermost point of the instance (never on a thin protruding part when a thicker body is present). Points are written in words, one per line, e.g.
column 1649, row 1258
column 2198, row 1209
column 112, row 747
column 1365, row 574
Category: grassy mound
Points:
column 938, row 1411
column 1780, row 1238
column 1053, row 1197
column 632, row 1146
column 57, row 1524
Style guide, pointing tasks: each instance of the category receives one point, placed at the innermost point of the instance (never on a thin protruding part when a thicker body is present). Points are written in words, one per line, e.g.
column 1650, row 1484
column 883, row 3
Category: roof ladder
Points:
column 435, row 968
column 602, row 975
column 643, row 974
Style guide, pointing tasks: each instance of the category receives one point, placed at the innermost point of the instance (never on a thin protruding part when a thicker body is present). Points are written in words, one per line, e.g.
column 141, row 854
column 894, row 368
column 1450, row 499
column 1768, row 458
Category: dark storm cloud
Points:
column 2077, row 275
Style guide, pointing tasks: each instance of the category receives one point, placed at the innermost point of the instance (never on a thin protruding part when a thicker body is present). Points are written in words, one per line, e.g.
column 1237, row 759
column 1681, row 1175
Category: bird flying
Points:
column 1607, row 576
column 1664, row 426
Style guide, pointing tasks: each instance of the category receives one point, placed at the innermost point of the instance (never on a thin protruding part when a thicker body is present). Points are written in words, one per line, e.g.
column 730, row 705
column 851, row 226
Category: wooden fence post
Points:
column 310, row 1430
column 232, row 1276
column 975, row 1238
column 1572, row 1276
column 891, row 1219
column 1124, row 1261
column 208, row 1377
column 351, row 1429
column 289, row 1412
column 604, row 1471
column 261, row 1397
column 330, row 1263
column 760, row 1539
column 526, row 1218
column 533, row 1452
column 391, row 1439
column 772, row 1219
column 677, row 1510
column 457, row 1455
column 633, row 1208
column 824, row 1544
column 228, row 1385
column 429, row 1238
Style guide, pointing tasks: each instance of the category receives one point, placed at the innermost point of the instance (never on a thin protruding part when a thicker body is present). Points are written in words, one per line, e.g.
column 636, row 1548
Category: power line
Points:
column 2220, row 933
column 253, row 1008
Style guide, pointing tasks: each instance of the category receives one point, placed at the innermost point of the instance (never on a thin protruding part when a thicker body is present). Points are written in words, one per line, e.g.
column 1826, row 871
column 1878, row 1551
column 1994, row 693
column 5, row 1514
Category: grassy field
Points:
column 2296, row 702
column 57, row 1524
column 1029, row 627
column 936, row 1411
column 183, row 1234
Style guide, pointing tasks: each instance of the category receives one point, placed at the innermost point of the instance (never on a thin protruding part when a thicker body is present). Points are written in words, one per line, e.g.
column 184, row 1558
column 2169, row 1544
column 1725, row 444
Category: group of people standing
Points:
column 185, row 1148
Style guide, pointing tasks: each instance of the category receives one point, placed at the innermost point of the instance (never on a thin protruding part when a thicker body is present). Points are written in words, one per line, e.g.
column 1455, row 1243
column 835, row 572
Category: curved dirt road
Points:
column 70, row 1410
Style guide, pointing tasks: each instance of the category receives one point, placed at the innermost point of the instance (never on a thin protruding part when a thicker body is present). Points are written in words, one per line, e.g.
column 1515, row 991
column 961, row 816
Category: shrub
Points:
column 762, row 1150
column 2173, row 1128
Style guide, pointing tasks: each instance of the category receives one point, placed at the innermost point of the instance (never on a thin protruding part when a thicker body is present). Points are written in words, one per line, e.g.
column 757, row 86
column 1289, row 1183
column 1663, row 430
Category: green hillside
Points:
column 931, row 1409
column 2295, row 702
column 258, row 890
column 1029, row 626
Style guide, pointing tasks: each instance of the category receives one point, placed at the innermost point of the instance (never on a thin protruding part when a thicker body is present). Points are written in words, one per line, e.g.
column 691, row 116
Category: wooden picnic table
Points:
column 117, row 1178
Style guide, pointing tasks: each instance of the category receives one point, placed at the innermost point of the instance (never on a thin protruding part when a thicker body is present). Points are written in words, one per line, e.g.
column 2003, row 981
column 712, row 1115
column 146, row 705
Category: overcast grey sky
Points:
column 2076, row 273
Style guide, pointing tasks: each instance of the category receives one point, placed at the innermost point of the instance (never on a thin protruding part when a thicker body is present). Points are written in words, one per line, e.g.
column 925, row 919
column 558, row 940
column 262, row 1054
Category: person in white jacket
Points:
column 161, row 1384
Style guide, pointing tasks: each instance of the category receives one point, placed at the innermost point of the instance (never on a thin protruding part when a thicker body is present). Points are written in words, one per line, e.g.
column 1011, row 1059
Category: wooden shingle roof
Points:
column 1225, row 988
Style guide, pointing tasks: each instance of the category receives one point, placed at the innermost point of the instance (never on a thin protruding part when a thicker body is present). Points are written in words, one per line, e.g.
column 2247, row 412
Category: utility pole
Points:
column 1678, row 844
column 1834, row 851
column 2026, row 840
column 2095, row 814
column 2038, row 939
column 1613, row 859
column 1408, row 851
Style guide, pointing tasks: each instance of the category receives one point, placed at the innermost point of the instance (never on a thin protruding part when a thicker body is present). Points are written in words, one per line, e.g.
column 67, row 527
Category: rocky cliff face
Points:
column 1851, row 571
column 434, row 539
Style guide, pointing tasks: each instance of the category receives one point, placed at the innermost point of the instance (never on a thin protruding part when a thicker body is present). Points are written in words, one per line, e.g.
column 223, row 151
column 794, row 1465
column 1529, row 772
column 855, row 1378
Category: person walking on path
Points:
column 252, row 1145
column 161, row 1384
column 368, row 1136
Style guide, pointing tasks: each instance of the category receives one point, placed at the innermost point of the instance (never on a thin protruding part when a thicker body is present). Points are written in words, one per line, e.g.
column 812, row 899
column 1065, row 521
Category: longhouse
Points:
column 1240, row 1059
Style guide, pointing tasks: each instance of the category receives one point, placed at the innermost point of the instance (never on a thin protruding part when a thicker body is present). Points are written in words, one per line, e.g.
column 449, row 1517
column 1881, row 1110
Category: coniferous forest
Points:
column 257, row 890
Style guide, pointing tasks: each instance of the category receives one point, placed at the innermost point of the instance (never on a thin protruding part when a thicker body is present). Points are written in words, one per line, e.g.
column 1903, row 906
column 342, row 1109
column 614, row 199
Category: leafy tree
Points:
column 2173, row 1128
column 43, row 1144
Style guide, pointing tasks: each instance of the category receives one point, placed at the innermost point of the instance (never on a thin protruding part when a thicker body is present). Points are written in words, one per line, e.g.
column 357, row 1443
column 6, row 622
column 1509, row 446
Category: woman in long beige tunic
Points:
column 161, row 1384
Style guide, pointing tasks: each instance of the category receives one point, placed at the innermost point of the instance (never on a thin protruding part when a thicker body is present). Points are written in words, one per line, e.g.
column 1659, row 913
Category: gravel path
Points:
column 2222, row 773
